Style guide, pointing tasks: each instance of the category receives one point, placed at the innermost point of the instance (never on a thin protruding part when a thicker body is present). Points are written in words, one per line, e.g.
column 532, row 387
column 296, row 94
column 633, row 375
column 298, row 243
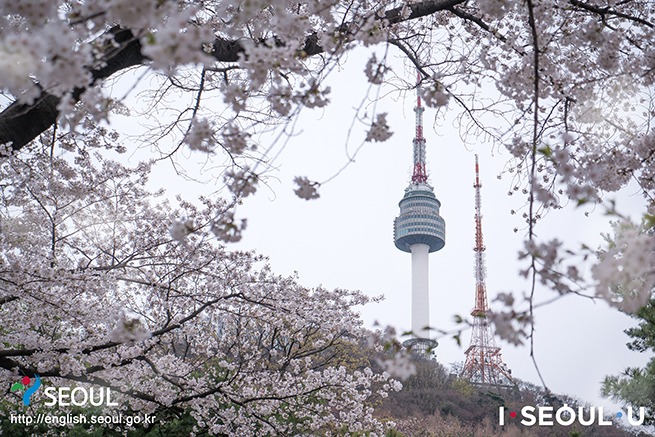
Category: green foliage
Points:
column 463, row 387
column 644, row 333
column 636, row 386
column 649, row 221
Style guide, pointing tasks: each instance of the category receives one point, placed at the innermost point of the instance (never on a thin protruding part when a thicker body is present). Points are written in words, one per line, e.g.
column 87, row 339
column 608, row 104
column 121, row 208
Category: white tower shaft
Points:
column 420, row 291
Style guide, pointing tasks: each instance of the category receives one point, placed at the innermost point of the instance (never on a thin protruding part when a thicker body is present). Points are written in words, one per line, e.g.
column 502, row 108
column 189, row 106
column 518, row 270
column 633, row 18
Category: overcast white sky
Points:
column 344, row 239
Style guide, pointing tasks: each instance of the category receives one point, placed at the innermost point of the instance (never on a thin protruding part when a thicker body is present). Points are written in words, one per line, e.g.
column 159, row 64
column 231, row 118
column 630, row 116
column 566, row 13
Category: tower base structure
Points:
column 423, row 347
column 484, row 364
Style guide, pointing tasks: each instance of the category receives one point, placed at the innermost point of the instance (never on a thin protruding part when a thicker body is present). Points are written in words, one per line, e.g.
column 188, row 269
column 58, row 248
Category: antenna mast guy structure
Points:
column 419, row 230
column 484, row 364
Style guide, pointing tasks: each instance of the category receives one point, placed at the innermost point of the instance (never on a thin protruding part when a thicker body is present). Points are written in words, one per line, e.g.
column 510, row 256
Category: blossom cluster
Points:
column 625, row 273
column 200, row 136
column 379, row 130
column 306, row 189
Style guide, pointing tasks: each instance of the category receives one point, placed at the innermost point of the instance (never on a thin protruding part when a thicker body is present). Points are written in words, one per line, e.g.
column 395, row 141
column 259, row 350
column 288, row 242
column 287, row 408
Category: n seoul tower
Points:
column 419, row 230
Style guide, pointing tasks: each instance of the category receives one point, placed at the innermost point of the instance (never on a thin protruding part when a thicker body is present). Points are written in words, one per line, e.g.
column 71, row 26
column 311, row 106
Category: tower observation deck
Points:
column 419, row 230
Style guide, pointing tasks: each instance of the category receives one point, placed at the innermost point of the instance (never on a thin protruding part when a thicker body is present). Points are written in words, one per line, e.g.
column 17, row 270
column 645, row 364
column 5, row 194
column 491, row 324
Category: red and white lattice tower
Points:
column 484, row 364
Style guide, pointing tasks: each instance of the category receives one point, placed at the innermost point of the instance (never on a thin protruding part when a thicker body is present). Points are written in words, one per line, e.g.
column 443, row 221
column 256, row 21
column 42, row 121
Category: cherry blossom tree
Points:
column 105, row 284
column 564, row 85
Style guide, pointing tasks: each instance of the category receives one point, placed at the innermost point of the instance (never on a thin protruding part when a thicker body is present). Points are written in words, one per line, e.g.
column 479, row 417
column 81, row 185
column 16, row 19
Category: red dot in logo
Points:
column 25, row 380
column 512, row 414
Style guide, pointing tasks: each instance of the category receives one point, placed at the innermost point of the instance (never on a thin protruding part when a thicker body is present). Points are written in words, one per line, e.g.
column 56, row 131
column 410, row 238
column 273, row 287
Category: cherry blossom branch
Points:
column 533, row 166
column 602, row 11
column 477, row 20
column 7, row 299
column 11, row 364
column 21, row 123
column 112, row 344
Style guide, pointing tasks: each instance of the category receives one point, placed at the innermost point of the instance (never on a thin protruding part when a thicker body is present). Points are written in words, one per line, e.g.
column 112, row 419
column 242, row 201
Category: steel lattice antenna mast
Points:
column 420, row 174
column 420, row 230
column 484, row 364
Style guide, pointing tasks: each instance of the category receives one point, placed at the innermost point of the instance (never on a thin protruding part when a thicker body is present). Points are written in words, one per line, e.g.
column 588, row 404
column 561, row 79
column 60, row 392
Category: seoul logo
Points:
column 64, row 396
column 27, row 385
column 566, row 416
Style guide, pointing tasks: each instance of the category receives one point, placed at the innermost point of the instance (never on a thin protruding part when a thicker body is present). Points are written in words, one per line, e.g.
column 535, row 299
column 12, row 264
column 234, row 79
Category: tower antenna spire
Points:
column 419, row 115
column 419, row 175
column 484, row 364
column 481, row 306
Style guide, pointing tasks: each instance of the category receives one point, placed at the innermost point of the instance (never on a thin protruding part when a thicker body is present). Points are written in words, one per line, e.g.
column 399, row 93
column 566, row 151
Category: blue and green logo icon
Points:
column 27, row 385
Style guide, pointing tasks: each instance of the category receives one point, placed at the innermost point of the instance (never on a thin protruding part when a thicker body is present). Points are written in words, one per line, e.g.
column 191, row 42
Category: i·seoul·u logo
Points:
column 29, row 387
